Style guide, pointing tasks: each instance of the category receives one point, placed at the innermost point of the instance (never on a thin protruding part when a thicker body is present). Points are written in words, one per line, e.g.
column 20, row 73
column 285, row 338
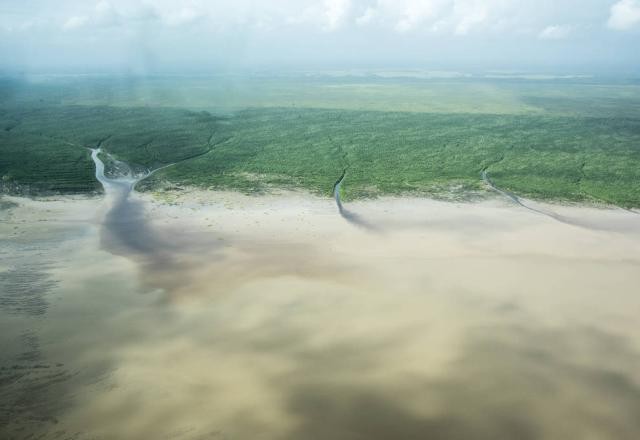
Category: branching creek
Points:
column 127, row 231
column 345, row 213
column 124, row 226
column 518, row 201
column 581, row 223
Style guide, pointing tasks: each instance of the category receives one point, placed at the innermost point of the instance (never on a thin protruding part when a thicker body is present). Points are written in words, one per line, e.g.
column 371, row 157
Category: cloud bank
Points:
column 625, row 15
column 325, row 32
column 556, row 32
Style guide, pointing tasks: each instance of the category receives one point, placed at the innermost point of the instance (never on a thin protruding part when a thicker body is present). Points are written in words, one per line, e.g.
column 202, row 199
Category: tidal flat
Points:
column 273, row 317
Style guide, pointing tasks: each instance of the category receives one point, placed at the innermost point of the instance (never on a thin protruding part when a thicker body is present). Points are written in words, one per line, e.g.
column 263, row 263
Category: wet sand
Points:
column 274, row 318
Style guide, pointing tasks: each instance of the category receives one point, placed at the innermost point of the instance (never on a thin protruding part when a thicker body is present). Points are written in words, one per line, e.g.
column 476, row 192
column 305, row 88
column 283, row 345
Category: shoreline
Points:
column 207, row 196
column 383, row 215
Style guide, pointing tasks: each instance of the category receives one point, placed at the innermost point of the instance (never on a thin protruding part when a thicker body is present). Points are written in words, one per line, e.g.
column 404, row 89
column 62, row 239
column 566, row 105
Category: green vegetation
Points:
column 441, row 155
column 32, row 164
column 45, row 148
column 575, row 141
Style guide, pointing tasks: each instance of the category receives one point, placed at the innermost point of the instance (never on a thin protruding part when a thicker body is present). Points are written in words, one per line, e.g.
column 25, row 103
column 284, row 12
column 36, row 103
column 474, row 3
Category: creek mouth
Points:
column 518, row 201
column 620, row 225
column 126, row 230
column 345, row 213
column 165, row 255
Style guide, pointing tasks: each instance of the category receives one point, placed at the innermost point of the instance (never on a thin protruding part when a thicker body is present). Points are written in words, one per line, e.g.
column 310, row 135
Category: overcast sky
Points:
column 146, row 36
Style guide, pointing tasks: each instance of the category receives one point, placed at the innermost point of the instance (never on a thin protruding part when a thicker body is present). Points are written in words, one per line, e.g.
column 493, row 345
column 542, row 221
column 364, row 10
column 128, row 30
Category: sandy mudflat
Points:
column 273, row 317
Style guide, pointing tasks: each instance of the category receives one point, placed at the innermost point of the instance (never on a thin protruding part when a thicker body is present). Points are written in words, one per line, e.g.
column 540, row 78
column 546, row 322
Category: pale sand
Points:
column 274, row 318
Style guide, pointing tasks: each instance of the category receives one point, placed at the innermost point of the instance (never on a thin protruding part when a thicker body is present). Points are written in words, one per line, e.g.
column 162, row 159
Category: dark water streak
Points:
column 346, row 214
column 581, row 223
column 161, row 254
column 124, row 228
column 518, row 201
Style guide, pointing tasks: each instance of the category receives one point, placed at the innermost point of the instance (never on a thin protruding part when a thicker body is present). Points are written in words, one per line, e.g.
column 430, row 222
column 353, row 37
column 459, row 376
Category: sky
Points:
column 199, row 36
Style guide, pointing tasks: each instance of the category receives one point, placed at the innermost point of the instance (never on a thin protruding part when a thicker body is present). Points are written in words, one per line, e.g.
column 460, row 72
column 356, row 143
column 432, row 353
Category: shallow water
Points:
column 274, row 318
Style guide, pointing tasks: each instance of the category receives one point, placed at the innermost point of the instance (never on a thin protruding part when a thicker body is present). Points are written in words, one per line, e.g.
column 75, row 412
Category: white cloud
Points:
column 372, row 31
column 370, row 15
column 556, row 32
column 105, row 14
column 335, row 13
column 444, row 17
column 624, row 15
column 182, row 16
column 469, row 14
column 75, row 22
column 104, row 8
column 413, row 13
column 462, row 18
column 459, row 17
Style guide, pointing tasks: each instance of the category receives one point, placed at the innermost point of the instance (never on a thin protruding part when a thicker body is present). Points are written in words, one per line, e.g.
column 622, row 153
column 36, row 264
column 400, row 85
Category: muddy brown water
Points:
column 273, row 318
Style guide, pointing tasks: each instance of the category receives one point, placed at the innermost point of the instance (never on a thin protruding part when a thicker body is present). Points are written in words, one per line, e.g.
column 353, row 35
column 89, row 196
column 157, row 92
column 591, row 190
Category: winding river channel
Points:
column 120, row 187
